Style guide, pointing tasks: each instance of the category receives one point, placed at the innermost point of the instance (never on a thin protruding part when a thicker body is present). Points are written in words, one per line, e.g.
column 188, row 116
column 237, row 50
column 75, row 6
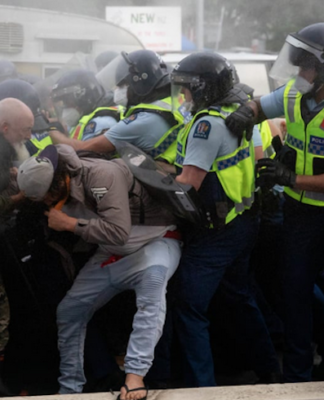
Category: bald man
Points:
column 16, row 122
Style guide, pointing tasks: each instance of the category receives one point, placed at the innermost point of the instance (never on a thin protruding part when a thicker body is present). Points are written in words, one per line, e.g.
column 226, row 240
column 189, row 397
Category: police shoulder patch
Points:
column 130, row 119
column 202, row 130
column 91, row 127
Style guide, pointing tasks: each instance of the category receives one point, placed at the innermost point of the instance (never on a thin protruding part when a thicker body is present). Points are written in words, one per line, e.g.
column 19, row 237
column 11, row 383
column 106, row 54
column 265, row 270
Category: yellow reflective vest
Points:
column 77, row 132
column 38, row 142
column 307, row 141
column 165, row 147
column 266, row 136
column 235, row 171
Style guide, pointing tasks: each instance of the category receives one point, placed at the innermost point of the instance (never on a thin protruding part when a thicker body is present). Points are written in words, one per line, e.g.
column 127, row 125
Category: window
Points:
column 11, row 37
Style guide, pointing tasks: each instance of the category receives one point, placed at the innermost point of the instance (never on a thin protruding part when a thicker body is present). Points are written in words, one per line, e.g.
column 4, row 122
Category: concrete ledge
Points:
column 288, row 391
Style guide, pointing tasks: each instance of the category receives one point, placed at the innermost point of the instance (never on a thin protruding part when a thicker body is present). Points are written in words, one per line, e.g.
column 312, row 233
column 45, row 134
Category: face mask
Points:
column 120, row 96
column 188, row 106
column 302, row 85
column 71, row 116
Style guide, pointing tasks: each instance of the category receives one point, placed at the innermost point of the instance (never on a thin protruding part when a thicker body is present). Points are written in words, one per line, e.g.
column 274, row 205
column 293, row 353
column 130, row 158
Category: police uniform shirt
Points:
column 273, row 104
column 209, row 139
column 143, row 130
column 97, row 125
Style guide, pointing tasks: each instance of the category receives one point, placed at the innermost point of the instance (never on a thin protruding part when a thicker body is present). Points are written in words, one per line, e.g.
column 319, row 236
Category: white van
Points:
column 40, row 42
column 252, row 68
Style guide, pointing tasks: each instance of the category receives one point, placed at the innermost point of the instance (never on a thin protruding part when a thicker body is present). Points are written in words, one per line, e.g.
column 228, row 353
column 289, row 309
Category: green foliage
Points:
column 271, row 20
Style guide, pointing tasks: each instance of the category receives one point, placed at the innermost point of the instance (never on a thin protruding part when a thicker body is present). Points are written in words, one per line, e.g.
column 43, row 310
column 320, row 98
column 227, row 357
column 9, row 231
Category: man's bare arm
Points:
column 98, row 144
column 313, row 183
column 192, row 175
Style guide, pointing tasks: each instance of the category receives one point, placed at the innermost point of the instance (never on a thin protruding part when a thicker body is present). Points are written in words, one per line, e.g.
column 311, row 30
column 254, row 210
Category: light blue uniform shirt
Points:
column 209, row 139
column 143, row 130
column 97, row 125
column 273, row 104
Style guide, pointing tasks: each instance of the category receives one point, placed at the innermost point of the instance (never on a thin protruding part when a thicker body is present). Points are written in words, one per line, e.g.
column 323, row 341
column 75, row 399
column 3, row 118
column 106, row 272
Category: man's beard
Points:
column 22, row 152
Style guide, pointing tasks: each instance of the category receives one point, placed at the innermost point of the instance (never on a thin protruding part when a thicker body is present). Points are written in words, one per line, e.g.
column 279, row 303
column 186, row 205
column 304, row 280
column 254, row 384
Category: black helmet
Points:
column 105, row 58
column 307, row 48
column 207, row 75
column 26, row 93
column 304, row 49
column 143, row 71
column 7, row 70
column 78, row 88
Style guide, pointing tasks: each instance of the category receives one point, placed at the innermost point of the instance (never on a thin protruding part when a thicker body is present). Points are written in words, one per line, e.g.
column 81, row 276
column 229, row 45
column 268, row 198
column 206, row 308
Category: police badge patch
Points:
column 90, row 128
column 130, row 119
column 202, row 130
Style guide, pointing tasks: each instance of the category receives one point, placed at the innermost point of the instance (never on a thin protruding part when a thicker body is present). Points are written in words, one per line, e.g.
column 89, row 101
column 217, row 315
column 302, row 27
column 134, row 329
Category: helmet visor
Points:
column 64, row 98
column 180, row 86
column 113, row 74
column 294, row 54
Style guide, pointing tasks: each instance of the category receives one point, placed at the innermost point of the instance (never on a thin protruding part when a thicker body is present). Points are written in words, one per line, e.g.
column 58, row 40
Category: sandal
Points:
column 134, row 390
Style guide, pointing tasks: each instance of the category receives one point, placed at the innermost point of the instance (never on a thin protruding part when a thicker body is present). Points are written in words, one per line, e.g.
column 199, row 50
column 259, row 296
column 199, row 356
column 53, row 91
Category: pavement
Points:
column 288, row 391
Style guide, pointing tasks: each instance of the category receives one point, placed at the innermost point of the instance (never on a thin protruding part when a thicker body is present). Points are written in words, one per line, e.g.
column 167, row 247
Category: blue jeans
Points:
column 303, row 257
column 211, row 258
column 147, row 272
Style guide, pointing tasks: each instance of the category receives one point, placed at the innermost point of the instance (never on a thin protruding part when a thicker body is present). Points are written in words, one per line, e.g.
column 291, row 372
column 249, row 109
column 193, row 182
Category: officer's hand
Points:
column 274, row 172
column 241, row 120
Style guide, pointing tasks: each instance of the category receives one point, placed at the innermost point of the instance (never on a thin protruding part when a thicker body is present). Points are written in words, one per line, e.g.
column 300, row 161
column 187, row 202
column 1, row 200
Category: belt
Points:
column 168, row 234
column 173, row 235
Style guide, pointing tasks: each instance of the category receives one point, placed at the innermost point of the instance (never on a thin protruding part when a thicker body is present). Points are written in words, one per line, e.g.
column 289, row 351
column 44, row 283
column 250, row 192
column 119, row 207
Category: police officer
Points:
column 299, row 168
column 141, row 84
column 220, row 165
column 80, row 100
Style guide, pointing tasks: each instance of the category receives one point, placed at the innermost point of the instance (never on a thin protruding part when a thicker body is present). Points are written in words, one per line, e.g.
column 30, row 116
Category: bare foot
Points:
column 133, row 381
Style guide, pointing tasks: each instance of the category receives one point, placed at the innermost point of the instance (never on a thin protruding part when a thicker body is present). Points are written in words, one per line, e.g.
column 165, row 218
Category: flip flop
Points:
column 134, row 390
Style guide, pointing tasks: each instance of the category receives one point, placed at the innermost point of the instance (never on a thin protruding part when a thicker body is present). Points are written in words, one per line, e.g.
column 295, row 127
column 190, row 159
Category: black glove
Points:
column 241, row 120
column 274, row 172
column 56, row 126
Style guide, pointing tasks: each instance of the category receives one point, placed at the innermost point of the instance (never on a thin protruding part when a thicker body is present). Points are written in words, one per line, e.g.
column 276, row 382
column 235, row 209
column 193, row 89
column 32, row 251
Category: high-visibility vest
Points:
column 307, row 141
column 38, row 142
column 165, row 147
column 77, row 131
column 235, row 171
column 266, row 136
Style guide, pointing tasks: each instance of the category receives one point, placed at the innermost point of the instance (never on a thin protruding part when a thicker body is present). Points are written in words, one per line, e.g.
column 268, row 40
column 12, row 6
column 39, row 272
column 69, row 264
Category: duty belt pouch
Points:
column 215, row 200
column 221, row 213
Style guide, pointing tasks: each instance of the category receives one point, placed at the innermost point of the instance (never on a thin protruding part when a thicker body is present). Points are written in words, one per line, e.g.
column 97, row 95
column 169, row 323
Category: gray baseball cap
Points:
column 35, row 175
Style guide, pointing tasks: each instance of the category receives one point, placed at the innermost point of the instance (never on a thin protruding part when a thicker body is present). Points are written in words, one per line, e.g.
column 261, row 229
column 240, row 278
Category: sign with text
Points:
column 158, row 28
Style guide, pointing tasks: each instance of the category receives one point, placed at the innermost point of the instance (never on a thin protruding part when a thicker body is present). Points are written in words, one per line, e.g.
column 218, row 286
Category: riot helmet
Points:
column 141, row 71
column 301, row 50
column 7, row 70
column 78, row 89
column 26, row 93
column 207, row 76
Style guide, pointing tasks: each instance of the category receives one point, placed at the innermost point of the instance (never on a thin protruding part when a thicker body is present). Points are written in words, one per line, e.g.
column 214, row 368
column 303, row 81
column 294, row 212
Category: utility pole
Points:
column 200, row 24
